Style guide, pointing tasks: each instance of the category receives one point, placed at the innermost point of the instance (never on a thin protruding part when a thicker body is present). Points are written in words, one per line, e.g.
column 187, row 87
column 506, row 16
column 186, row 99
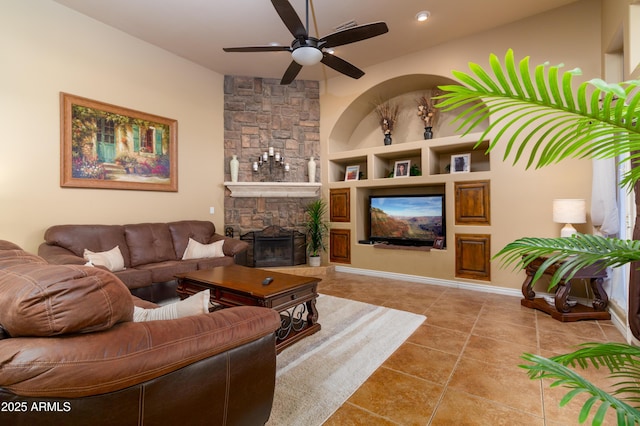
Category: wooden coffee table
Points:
column 293, row 296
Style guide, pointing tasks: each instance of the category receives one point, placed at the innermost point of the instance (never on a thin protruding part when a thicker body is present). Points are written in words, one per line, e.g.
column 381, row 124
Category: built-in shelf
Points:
column 432, row 157
column 274, row 189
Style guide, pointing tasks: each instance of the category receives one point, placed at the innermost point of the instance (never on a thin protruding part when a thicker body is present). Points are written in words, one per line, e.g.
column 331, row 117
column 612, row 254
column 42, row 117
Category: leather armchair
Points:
column 66, row 361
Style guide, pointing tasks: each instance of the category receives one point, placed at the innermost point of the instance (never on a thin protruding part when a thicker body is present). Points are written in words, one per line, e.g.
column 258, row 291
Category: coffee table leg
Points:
column 294, row 320
column 312, row 317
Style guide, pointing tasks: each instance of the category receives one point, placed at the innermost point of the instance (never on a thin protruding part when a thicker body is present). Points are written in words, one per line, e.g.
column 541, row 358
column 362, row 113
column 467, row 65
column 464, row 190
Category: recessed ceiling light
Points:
column 330, row 51
column 423, row 16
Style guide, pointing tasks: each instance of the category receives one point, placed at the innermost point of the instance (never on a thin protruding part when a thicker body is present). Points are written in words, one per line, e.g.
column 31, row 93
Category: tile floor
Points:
column 461, row 366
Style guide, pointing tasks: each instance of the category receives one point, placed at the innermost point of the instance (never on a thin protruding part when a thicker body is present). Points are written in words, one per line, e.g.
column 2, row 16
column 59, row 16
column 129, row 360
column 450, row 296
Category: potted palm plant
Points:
column 317, row 229
column 599, row 121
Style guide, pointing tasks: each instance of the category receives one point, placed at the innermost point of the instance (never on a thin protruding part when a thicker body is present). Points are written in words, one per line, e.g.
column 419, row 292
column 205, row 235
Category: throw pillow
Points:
column 196, row 250
column 112, row 259
column 194, row 305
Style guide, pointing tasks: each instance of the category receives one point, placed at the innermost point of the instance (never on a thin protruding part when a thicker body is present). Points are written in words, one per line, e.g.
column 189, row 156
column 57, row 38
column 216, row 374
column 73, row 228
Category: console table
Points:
column 562, row 311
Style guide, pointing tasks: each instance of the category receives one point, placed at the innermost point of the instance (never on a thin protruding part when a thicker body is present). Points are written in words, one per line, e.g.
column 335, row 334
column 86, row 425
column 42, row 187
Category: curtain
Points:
column 604, row 203
column 634, row 278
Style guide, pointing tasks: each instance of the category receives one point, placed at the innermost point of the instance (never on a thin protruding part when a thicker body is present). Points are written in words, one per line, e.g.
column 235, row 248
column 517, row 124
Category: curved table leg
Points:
column 527, row 290
column 600, row 299
column 561, row 296
column 312, row 316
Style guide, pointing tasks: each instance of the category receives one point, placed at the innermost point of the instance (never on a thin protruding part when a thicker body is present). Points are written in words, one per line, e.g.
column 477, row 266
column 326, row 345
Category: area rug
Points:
column 316, row 375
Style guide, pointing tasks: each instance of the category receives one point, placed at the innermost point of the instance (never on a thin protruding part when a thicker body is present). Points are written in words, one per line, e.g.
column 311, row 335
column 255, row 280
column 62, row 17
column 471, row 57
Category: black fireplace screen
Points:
column 275, row 246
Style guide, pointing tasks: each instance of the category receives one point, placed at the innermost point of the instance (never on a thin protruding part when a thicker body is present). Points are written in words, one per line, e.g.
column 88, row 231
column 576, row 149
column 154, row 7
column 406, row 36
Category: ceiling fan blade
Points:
column 351, row 35
column 290, row 18
column 258, row 49
column 342, row 66
column 291, row 73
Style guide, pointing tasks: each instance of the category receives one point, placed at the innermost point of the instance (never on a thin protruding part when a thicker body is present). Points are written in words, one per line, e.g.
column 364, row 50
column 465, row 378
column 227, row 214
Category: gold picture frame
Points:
column 111, row 147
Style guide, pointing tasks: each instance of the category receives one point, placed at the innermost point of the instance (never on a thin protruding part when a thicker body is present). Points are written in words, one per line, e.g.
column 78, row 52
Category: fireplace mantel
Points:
column 274, row 189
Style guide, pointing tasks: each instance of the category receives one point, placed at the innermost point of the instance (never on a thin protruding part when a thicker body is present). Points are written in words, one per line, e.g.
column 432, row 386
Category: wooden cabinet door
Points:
column 340, row 205
column 472, row 202
column 473, row 256
column 340, row 245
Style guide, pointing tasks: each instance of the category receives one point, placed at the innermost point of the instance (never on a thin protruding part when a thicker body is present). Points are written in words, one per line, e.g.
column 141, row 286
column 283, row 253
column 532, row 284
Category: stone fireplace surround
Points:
column 260, row 113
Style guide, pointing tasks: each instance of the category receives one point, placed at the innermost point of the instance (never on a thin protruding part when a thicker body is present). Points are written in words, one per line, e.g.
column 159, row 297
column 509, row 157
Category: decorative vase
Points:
column 428, row 132
column 387, row 138
column 312, row 170
column 234, row 166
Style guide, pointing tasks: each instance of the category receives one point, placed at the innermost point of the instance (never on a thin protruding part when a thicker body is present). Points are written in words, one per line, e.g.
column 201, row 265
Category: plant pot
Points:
column 314, row 260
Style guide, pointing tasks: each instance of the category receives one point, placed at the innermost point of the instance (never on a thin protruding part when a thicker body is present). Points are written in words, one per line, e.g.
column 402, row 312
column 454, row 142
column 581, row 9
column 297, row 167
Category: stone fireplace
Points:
column 260, row 113
column 275, row 246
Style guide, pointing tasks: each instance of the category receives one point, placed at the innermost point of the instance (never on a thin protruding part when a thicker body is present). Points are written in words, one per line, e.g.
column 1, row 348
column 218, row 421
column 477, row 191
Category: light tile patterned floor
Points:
column 461, row 366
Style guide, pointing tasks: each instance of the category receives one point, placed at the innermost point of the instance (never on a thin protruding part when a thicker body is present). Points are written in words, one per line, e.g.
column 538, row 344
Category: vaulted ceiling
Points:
column 198, row 29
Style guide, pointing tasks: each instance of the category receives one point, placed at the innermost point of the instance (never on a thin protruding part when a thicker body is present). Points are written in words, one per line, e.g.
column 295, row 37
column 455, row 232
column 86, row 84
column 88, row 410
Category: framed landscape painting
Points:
column 352, row 173
column 111, row 147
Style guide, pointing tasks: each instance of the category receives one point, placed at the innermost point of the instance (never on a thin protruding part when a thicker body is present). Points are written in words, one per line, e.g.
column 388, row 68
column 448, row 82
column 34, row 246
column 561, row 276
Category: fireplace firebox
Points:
column 275, row 246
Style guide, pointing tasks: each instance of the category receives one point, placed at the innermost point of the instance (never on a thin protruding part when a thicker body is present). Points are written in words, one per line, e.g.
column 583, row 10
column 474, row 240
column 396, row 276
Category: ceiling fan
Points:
column 306, row 50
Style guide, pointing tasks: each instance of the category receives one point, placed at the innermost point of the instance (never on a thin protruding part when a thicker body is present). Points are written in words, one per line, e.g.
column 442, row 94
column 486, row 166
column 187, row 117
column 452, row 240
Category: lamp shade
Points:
column 306, row 55
column 569, row 211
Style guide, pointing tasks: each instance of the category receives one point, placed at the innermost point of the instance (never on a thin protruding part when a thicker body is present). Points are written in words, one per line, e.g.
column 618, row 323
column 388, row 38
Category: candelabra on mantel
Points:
column 273, row 160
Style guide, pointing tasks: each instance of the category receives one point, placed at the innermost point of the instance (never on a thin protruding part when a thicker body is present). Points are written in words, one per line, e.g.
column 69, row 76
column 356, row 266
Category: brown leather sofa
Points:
column 152, row 252
column 70, row 354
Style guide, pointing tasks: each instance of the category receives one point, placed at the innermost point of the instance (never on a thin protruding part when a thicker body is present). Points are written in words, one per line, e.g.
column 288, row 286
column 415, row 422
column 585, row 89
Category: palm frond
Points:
column 544, row 368
column 600, row 121
column 614, row 356
column 574, row 253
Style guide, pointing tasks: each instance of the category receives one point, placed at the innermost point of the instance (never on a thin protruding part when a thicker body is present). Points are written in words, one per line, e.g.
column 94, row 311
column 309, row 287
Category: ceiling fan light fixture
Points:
column 306, row 55
column 423, row 15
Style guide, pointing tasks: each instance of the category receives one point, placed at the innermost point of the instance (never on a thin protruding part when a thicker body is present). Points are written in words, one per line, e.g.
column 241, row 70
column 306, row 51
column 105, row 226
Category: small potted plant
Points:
column 317, row 229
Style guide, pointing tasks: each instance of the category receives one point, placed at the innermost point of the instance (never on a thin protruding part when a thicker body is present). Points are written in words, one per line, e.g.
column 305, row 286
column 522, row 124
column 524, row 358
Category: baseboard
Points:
column 432, row 281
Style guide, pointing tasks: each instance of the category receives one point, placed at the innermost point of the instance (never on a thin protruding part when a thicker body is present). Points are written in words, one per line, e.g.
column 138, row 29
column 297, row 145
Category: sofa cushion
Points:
column 111, row 259
column 97, row 238
column 199, row 230
column 212, row 262
column 39, row 299
column 166, row 271
column 149, row 243
column 134, row 278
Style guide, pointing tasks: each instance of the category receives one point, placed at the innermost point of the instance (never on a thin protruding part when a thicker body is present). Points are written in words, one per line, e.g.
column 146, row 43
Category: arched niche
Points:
column 358, row 126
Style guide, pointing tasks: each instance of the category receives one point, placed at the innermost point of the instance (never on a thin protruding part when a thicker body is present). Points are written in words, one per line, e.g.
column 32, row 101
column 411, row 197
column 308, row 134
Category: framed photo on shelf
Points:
column 438, row 243
column 352, row 173
column 401, row 169
column 461, row 163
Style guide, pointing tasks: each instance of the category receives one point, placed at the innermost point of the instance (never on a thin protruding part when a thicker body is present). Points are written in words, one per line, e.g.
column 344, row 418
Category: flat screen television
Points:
column 412, row 220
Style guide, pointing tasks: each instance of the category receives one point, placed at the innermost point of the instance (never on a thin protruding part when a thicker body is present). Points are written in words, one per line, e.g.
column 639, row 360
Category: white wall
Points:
column 47, row 49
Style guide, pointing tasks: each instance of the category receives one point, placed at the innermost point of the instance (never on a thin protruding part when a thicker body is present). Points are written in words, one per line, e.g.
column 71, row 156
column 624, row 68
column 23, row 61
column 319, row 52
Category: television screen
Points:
column 407, row 219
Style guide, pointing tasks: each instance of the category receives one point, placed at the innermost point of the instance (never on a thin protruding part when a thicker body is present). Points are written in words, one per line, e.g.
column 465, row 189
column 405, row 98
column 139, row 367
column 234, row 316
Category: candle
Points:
column 286, row 167
column 270, row 151
column 255, row 166
column 277, row 156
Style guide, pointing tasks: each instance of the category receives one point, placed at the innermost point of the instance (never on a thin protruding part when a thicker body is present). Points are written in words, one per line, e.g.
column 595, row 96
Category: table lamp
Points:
column 569, row 211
